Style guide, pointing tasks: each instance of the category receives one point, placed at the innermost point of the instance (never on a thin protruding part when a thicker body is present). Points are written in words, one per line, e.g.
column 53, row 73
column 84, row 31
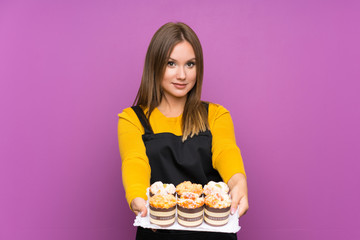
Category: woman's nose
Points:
column 181, row 75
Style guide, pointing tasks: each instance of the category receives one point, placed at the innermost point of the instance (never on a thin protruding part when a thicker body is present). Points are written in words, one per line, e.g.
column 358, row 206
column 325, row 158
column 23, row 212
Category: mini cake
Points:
column 162, row 210
column 215, row 187
column 162, row 188
column 187, row 186
column 190, row 209
column 217, row 209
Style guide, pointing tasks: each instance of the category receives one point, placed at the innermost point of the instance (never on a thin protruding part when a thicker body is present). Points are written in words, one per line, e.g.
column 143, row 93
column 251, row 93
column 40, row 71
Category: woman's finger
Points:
column 243, row 206
column 143, row 211
column 234, row 203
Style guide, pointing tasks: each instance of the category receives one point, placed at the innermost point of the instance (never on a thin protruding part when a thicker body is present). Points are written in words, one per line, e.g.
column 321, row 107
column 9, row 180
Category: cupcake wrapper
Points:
column 163, row 217
column 190, row 217
column 216, row 216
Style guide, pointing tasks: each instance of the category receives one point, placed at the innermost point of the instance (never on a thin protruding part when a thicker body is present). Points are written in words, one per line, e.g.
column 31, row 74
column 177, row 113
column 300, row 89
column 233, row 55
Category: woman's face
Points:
column 180, row 73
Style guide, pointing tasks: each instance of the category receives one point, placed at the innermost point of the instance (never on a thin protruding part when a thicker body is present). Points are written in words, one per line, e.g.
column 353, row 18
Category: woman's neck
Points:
column 171, row 107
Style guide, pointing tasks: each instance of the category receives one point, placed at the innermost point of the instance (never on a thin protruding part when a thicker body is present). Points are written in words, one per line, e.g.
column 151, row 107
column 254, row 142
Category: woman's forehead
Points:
column 182, row 50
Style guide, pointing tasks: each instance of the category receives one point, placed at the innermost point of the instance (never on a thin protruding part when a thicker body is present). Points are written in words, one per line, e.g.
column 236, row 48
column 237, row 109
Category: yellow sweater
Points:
column 226, row 157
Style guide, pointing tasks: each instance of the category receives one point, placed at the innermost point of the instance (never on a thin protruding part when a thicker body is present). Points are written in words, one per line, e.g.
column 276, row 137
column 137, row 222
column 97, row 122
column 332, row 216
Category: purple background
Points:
column 288, row 71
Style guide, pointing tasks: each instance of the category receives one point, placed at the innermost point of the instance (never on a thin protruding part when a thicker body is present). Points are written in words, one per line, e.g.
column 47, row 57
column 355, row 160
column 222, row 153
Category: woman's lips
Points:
column 179, row 85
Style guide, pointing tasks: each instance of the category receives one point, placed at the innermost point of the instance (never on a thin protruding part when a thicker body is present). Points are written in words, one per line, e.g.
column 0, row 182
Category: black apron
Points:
column 174, row 161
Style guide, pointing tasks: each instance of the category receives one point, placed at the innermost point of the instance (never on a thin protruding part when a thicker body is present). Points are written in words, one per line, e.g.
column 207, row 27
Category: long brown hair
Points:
column 194, row 118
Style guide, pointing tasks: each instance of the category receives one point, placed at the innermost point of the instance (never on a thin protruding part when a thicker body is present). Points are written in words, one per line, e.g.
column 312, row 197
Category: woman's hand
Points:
column 138, row 205
column 239, row 194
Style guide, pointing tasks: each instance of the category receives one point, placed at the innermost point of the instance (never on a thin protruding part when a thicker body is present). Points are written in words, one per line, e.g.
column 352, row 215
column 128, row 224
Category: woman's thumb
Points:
column 143, row 211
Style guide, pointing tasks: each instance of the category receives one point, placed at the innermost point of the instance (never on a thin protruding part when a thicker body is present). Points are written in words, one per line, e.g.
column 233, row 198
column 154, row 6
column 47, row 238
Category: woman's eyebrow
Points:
column 172, row 59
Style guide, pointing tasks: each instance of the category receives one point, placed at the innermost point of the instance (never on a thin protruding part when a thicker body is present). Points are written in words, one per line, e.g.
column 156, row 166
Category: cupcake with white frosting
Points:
column 162, row 188
column 215, row 187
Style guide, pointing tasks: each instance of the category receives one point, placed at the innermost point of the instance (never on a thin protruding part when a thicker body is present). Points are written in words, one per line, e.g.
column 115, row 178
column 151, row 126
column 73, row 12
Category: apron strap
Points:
column 143, row 119
column 145, row 122
column 206, row 104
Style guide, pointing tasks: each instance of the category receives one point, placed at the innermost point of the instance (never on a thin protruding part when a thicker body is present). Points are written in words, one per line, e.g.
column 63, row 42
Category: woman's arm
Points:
column 135, row 164
column 227, row 158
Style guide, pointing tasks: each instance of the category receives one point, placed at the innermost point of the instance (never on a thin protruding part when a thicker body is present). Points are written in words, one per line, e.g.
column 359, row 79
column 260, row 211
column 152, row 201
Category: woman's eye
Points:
column 171, row 64
column 190, row 64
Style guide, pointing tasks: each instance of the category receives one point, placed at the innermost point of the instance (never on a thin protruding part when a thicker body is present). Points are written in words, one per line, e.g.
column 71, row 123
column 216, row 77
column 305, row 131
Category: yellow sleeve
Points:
column 226, row 157
column 135, row 164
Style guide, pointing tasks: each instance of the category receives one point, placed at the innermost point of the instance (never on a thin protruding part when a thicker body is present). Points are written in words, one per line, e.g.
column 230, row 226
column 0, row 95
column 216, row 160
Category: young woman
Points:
column 170, row 135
